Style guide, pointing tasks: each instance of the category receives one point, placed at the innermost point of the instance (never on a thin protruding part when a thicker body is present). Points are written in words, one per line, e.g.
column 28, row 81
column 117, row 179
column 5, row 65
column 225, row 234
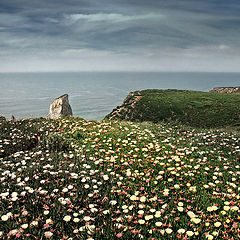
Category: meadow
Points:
column 77, row 179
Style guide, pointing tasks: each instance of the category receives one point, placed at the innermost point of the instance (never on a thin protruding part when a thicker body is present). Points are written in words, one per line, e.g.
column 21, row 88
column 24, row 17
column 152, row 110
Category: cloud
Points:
column 115, row 35
column 112, row 17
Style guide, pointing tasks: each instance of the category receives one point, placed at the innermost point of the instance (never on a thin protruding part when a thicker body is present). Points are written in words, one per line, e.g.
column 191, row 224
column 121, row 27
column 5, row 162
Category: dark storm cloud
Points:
column 139, row 31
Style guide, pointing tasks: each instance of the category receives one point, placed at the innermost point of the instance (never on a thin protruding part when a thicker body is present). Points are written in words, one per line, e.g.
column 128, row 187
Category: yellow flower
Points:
column 180, row 204
column 157, row 214
column 24, row 226
column 141, row 221
column 4, row 218
column 158, row 224
column 46, row 212
column 217, row 224
column 141, row 212
column 133, row 198
column 143, row 199
column 34, row 224
column 67, row 218
column 49, row 221
column 215, row 208
column 180, row 209
column 148, row 217
column 168, row 230
column 105, row 177
column 113, row 202
column 86, row 218
column 191, row 214
column 209, row 209
column 223, row 212
column 190, row 233
column 209, row 237
column 235, row 208
column 181, row 231
column 226, row 208
column 76, row 220
column 196, row 220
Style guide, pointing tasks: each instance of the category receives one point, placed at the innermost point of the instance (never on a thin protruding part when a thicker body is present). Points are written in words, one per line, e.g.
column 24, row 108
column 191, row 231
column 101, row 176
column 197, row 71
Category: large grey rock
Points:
column 13, row 118
column 60, row 107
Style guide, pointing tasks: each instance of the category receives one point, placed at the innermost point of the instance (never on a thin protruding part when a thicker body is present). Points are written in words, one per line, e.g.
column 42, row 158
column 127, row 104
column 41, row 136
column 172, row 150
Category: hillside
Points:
column 194, row 108
column 77, row 179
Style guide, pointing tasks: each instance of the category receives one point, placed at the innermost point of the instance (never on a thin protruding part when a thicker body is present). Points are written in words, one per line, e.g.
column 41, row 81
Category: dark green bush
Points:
column 55, row 142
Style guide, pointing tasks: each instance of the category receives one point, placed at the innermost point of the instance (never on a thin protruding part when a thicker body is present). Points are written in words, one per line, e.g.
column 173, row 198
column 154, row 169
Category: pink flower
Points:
column 18, row 235
column 25, row 213
column 234, row 225
column 119, row 235
column 46, row 226
column 48, row 234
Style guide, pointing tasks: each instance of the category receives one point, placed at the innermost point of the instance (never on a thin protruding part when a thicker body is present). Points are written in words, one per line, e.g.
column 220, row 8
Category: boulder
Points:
column 60, row 107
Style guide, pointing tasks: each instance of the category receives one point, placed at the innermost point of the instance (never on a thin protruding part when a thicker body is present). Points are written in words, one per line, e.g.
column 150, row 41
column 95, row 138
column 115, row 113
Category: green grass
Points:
column 198, row 109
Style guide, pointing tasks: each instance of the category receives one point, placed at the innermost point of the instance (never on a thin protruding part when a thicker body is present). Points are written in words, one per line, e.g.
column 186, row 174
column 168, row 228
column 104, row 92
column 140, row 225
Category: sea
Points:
column 92, row 95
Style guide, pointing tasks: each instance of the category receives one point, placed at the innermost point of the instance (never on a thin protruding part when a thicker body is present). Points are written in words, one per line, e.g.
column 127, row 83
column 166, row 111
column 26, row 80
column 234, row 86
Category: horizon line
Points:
column 121, row 71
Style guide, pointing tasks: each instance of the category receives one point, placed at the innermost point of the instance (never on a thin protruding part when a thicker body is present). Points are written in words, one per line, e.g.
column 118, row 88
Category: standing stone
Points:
column 13, row 118
column 60, row 107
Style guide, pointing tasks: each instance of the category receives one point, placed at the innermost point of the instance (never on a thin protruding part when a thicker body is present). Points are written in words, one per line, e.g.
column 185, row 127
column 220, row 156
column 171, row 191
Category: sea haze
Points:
column 93, row 95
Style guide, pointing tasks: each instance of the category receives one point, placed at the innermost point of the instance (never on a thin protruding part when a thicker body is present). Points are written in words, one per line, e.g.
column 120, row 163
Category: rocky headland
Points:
column 194, row 108
column 226, row 90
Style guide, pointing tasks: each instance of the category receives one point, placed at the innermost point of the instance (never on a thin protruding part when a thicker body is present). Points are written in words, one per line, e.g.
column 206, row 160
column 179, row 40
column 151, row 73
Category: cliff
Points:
column 127, row 110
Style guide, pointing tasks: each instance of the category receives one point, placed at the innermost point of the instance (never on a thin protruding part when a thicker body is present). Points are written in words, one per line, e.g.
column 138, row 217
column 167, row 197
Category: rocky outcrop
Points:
column 226, row 90
column 60, row 107
column 127, row 110
column 13, row 119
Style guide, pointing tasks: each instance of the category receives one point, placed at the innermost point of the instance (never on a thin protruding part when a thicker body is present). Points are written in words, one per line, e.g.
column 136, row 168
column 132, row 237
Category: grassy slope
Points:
column 119, row 180
column 198, row 109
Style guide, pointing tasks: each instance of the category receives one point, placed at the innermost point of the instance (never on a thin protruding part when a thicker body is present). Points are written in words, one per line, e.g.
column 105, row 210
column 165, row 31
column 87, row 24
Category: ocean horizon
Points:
column 93, row 95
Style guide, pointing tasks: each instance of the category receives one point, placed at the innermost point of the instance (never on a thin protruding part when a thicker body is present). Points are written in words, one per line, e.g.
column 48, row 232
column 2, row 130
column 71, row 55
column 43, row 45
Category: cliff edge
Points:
column 127, row 110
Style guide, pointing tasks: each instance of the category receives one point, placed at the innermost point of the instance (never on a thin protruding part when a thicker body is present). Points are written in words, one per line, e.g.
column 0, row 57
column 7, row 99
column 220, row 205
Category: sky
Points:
column 120, row 35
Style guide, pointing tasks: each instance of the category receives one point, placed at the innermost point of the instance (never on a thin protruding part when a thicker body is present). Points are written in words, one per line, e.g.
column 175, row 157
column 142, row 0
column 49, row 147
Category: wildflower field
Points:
column 77, row 179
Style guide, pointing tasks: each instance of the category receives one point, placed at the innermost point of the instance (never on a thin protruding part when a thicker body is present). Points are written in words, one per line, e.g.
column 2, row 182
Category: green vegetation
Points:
column 117, row 180
column 198, row 109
